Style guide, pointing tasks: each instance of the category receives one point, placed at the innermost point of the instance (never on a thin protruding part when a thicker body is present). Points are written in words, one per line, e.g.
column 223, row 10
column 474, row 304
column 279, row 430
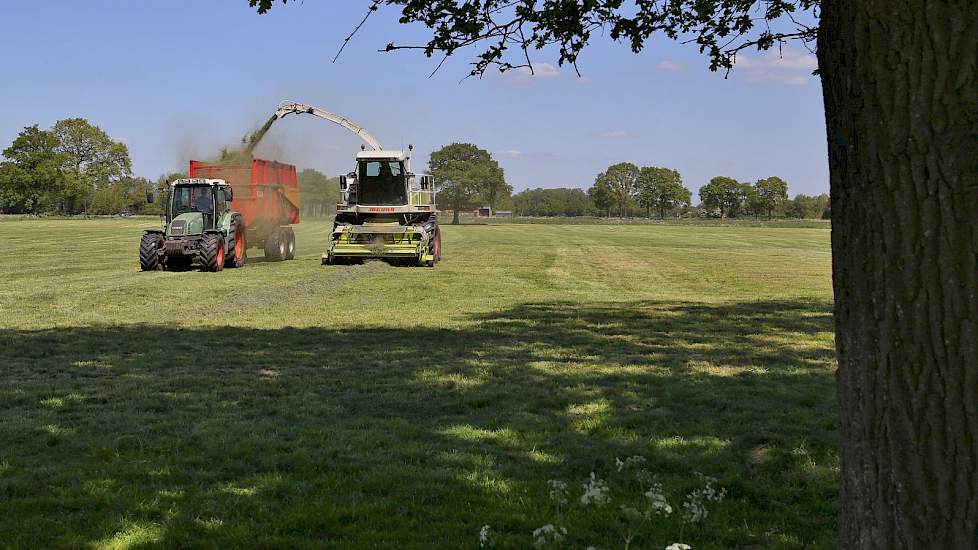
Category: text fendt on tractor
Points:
column 385, row 211
column 220, row 211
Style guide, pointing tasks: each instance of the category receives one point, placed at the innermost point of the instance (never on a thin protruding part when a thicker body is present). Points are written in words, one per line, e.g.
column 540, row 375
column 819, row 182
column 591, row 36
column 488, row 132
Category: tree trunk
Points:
column 900, row 85
column 455, row 208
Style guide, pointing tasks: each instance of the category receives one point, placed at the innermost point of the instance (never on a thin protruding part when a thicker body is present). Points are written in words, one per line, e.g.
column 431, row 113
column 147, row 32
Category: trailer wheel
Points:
column 275, row 246
column 212, row 252
column 149, row 252
column 239, row 252
column 290, row 244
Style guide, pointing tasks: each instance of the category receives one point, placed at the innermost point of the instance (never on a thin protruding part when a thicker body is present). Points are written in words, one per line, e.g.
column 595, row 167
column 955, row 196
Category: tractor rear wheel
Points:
column 212, row 252
column 238, row 254
column 290, row 244
column 149, row 252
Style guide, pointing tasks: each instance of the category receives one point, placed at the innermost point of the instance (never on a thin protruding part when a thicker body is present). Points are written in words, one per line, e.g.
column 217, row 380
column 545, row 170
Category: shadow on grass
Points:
column 157, row 436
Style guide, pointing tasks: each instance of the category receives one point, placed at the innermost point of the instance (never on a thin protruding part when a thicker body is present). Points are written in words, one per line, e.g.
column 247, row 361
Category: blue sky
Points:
column 178, row 79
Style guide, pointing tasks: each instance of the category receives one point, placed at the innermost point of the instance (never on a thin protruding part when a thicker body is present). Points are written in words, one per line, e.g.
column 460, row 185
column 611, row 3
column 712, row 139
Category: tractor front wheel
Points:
column 212, row 253
column 149, row 252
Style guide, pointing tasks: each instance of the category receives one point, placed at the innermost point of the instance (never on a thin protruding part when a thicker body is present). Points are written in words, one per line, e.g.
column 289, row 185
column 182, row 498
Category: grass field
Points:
column 290, row 405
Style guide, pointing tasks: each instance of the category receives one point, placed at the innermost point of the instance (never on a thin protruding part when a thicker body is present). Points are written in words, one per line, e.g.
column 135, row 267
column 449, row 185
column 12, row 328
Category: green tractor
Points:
column 200, row 226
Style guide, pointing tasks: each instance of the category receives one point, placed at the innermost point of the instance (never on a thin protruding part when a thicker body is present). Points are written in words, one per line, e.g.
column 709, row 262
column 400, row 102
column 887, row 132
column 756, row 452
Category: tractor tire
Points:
column 431, row 226
column 238, row 254
column 290, row 244
column 149, row 252
column 275, row 246
column 212, row 252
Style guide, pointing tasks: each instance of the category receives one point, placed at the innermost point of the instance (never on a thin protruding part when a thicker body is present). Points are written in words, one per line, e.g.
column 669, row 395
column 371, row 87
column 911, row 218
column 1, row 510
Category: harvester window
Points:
column 381, row 182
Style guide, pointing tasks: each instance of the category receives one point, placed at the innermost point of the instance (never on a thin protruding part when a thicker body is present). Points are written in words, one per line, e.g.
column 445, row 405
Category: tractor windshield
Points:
column 192, row 198
column 381, row 182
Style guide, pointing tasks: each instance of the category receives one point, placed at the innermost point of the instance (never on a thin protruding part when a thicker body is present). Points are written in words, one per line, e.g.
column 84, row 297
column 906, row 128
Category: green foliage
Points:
column 770, row 193
column 508, row 29
column 464, row 173
column 551, row 202
column 622, row 180
column 61, row 169
column 319, row 193
column 127, row 194
column 807, row 207
column 722, row 195
column 661, row 189
column 602, row 197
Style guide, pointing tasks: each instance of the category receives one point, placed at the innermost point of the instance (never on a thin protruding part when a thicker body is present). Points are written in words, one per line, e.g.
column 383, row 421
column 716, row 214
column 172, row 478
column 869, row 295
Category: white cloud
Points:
column 541, row 70
column 669, row 65
column 511, row 153
column 789, row 66
column 614, row 134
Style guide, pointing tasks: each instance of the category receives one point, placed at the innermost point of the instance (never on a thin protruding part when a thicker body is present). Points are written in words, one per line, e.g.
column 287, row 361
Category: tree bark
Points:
column 900, row 85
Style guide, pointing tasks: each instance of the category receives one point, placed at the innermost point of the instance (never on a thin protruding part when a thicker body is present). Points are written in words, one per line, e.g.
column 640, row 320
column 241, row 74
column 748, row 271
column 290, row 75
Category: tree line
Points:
column 627, row 190
column 70, row 168
column 74, row 167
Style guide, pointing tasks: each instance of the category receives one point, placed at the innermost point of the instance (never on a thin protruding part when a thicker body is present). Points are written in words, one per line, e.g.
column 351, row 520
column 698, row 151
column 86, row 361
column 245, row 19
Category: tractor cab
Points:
column 196, row 205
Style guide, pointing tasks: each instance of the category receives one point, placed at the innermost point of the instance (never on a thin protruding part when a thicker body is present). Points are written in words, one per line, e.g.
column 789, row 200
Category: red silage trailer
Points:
column 266, row 194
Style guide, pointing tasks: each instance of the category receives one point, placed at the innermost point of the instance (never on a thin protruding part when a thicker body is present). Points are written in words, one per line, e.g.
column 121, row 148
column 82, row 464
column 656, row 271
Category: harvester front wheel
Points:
column 149, row 252
column 239, row 252
column 212, row 252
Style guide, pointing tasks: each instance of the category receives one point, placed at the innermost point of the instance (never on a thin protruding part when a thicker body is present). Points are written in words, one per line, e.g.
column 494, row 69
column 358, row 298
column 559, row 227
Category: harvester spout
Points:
column 287, row 108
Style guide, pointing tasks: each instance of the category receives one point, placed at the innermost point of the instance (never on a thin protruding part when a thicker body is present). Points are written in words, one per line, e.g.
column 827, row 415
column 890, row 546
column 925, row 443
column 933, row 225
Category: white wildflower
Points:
column 657, row 500
column 595, row 491
column 558, row 491
column 484, row 536
column 548, row 534
column 628, row 462
column 694, row 508
column 679, row 546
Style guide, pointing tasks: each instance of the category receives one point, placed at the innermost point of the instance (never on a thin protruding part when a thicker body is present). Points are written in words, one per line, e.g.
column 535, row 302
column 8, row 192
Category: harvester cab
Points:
column 199, row 225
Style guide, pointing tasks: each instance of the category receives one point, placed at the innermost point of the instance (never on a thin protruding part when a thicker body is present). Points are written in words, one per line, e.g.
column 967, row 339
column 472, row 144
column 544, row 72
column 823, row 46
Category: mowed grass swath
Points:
column 299, row 405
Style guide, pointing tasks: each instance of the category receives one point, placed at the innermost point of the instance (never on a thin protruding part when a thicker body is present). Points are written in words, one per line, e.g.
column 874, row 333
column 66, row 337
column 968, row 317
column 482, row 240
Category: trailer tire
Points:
column 212, row 252
column 290, row 244
column 238, row 254
column 149, row 252
column 275, row 246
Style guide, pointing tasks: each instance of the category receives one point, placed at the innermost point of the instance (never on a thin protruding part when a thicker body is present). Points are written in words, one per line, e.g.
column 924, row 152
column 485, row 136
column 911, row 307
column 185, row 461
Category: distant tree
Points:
column 461, row 172
column 808, row 207
column 319, row 193
column 551, row 202
column 721, row 195
column 771, row 193
column 601, row 196
column 90, row 159
column 661, row 189
column 493, row 188
column 32, row 176
column 621, row 179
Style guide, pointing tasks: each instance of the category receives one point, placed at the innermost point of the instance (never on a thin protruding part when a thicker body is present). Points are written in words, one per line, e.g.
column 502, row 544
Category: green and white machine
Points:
column 200, row 225
column 386, row 211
